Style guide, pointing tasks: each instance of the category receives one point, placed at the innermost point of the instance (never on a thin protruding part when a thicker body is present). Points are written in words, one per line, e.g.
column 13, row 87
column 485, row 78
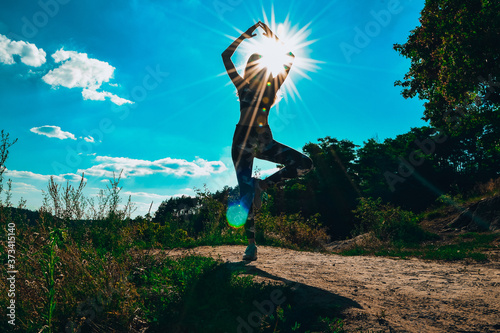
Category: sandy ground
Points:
column 375, row 294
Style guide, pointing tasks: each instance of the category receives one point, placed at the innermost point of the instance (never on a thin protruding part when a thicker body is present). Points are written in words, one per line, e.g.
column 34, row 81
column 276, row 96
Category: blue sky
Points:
column 139, row 86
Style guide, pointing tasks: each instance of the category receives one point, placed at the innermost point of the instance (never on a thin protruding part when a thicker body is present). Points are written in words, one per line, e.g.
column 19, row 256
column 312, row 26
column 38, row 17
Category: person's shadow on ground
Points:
column 307, row 303
column 239, row 297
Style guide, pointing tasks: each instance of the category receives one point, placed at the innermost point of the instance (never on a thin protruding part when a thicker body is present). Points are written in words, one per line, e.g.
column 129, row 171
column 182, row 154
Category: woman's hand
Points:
column 267, row 31
column 249, row 33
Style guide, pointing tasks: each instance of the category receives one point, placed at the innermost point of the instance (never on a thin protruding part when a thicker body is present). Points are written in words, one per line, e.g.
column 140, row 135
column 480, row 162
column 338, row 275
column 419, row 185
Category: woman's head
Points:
column 252, row 70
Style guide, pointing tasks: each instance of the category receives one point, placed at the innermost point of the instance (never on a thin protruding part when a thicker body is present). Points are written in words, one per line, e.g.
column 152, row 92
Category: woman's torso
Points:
column 255, row 104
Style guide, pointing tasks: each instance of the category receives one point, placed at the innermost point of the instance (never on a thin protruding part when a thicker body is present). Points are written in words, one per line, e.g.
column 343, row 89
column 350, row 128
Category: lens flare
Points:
column 236, row 215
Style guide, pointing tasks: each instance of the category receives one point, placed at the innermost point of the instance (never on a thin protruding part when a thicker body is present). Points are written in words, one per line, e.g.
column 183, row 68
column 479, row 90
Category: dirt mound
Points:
column 481, row 216
column 380, row 294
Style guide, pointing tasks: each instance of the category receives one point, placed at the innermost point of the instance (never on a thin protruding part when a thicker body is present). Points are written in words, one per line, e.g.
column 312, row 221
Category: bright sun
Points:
column 275, row 54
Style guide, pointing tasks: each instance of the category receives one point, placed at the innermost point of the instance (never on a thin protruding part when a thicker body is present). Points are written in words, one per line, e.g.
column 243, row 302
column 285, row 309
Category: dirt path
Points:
column 381, row 294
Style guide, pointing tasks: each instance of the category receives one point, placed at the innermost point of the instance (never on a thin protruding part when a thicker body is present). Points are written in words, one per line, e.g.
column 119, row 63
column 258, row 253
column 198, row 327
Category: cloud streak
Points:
column 77, row 70
column 23, row 188
column 29, row 54
column 89, row 139
column 154, row 196
column 268, row 172
column 168, row 166
column 95, row 95
column 53, row 132
column 36, row 176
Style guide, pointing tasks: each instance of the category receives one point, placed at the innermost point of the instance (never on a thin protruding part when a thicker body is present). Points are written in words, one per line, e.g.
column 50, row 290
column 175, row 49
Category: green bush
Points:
column 388, row 223
column 291, row 230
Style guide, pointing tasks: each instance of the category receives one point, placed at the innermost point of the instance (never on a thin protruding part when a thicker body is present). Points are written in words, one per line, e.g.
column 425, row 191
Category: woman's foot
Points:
column 250, row 252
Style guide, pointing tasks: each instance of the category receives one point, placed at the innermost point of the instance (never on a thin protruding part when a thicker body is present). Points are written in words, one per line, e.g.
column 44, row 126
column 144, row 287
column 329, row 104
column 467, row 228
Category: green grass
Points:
column 465, row 246
column 116, row 288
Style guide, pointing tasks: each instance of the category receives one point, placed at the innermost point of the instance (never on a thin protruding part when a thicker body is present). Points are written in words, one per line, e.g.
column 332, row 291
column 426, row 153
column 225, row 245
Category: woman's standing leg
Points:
column 243, row 163
column 242, row 153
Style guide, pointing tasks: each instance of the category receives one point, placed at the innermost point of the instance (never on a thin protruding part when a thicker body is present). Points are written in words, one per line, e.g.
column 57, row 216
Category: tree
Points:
column 455, row 58
column 402, row 170
column 179, row 207
column 333, row 183
column 374, row 160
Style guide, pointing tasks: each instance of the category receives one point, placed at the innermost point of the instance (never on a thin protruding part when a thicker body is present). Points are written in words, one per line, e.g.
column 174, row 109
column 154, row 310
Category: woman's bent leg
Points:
column 296, row 164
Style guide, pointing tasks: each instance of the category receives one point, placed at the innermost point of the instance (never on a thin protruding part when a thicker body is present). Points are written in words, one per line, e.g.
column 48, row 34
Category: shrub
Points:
column 448, row 200
column 291, row 230
column 388, row 223
column 492, row 187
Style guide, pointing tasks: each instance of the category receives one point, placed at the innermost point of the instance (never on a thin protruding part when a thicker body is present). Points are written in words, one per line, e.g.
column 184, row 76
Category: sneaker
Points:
column 250, row 253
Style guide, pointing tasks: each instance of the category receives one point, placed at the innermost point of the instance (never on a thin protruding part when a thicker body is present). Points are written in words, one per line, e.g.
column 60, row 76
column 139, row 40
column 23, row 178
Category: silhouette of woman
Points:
column 252, row 138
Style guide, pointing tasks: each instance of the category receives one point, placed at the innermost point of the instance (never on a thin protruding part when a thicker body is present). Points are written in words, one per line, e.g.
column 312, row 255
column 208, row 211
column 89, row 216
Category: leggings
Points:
column 257, row 142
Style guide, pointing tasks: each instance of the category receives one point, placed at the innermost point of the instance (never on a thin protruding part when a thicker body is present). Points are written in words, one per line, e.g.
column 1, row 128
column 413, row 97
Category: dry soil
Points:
column 374, row 294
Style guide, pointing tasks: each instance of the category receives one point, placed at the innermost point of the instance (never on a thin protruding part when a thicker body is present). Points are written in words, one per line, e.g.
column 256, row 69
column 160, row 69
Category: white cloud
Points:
column 23, row 188
column 267, row 173
column 95, row 95
column 36, row 176
column 89, row 139
column 155, row 196
column 29, row 54
column 77, row 70
column 169, row 166
column 146, row 195
column 187, row 189
column 53, row 132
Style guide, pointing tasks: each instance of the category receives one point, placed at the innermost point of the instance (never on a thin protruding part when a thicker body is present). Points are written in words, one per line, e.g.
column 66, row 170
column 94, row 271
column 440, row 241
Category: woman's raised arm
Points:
column 227, row 54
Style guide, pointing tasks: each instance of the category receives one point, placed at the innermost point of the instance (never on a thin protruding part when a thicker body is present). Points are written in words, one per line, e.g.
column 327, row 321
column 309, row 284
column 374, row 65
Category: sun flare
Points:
column 276, row 54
